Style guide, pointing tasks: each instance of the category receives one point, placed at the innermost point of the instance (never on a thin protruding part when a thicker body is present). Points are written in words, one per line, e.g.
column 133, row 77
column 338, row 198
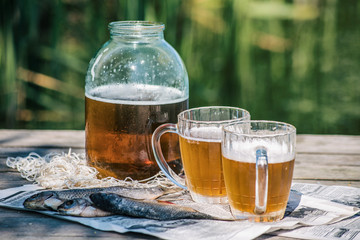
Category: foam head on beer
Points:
column 204, row 133
column 136, row 94
column 245, row 151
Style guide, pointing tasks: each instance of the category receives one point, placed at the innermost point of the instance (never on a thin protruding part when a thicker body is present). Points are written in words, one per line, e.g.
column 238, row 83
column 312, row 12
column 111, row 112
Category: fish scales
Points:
column 81, row 207
column 114, row 203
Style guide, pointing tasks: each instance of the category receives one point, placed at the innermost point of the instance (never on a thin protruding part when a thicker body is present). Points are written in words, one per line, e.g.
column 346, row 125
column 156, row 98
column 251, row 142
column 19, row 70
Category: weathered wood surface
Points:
column 323, row 159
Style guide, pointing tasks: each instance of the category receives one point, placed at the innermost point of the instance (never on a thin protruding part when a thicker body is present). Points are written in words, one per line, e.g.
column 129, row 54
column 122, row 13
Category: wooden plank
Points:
column 308, row 175
column 42, row 138
column 324, row 172
column 305, row 161
column 25, row 151
column 333, row 175
column 308, row 159
column 327, row 167
column 344, row 169
column 339, row 144
column 12, row 179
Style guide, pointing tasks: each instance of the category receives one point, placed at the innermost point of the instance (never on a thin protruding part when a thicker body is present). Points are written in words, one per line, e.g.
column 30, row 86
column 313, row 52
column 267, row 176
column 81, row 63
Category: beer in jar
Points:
column 135, row 83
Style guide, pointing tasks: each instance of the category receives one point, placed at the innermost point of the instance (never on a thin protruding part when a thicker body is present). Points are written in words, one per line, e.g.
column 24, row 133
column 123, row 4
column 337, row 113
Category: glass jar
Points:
column 135, row 83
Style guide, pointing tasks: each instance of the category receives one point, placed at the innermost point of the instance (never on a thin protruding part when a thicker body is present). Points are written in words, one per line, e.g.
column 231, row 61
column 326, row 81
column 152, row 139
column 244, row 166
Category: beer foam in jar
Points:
column 245, row 151
column 205, row 134
column 136, row 94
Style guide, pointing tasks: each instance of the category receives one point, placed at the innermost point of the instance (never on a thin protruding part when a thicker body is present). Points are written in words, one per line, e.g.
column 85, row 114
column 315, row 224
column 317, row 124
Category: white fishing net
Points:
column 70, row 170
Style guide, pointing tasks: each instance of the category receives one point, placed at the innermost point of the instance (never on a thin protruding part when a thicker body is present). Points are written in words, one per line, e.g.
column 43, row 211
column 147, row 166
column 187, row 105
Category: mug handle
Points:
column 159, row 157
column 261, row 181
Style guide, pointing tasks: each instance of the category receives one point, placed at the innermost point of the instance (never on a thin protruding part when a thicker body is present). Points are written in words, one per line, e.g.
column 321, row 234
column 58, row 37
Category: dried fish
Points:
column 116, row 204
column 51, row 200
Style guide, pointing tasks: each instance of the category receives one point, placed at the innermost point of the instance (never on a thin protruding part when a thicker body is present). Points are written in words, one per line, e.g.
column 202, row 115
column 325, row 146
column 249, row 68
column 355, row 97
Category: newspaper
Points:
column 346, row 229
column 313, row 212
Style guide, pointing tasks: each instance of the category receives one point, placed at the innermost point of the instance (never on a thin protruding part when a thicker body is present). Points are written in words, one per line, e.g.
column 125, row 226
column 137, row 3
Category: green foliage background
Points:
column 294, row 61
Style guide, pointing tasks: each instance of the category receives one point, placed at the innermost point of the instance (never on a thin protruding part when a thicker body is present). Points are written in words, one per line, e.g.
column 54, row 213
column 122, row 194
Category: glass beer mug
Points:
column 258, row 160
column 135, row 83
column 199, row 132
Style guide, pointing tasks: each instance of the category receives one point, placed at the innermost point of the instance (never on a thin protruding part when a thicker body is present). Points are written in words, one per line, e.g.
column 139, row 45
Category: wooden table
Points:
column 322, row 159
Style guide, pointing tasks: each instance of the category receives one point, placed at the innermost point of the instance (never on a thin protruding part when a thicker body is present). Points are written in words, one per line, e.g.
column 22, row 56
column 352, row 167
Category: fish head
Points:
column 74, row 207
column 37, row 201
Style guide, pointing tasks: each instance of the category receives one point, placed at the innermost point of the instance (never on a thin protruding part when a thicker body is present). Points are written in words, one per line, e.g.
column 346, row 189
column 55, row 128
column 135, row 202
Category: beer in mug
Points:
column 199, row 131
column 258, row 162
column 201, row 157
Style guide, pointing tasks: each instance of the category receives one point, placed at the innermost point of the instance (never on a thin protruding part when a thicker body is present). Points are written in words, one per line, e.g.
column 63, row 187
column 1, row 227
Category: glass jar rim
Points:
column 136, row 26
